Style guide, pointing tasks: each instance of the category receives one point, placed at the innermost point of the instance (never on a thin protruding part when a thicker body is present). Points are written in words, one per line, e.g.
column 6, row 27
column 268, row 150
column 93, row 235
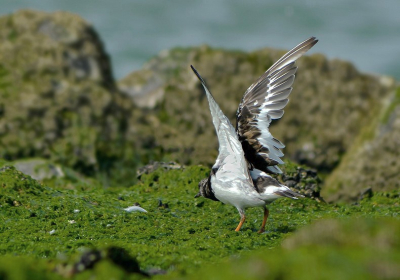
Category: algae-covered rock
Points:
column 57, row 93
column 328, row 107
column 19, row 189
column 301, row 179
column 48, row 63
column 13, row 179
column 372, row 162
column 329, row 249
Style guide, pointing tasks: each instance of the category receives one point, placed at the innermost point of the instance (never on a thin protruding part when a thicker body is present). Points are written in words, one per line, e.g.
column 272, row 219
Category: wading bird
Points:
column 249, row 153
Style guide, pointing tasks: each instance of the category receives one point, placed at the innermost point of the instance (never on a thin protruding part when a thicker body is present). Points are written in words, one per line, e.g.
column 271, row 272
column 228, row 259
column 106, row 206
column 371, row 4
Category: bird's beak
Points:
column 197, row 195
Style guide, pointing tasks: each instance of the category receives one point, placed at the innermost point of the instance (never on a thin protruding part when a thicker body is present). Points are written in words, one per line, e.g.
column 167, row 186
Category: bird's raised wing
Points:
column 264, row 101
column 231, row 162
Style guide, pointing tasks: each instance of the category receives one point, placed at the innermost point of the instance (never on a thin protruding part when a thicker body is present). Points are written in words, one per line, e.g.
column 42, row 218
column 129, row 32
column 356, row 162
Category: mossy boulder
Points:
column 19, row 189
column 58, row 98
column 372, row 162
column 328, row 107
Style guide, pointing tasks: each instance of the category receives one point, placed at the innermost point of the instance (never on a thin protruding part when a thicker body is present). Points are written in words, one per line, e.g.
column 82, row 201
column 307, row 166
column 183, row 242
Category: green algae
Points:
column 178, row 234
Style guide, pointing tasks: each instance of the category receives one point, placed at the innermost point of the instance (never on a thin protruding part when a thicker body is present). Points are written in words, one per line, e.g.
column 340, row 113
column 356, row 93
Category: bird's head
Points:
column 202, row 188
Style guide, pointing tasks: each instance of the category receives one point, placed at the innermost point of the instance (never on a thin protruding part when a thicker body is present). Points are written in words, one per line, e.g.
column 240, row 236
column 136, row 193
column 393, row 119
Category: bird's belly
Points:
column 238, row 198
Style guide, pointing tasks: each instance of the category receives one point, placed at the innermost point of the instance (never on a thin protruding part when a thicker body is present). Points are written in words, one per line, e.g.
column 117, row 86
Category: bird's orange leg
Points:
column 242, row 219
column 266, row 214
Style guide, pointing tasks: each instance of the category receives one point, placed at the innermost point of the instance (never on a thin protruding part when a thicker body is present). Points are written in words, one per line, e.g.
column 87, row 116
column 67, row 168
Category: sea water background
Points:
column 364, row 32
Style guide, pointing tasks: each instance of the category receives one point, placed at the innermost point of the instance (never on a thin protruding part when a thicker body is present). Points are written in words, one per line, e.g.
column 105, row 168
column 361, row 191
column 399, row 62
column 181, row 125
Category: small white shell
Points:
column 135, row 208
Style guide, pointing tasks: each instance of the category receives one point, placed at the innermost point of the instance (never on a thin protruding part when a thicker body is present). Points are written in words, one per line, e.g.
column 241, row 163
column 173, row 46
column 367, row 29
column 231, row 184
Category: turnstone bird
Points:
column 249, row 153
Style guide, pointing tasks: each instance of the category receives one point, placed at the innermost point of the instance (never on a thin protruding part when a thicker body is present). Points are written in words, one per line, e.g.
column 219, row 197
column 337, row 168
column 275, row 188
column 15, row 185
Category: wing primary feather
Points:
column 283, row 71
column 278, row 143
column 283, row 85
column 198, row 75
column 276, row 114
column 264, row 101
column 283, row 94
column 294, row 53
column 275, row 105
column 284, row 76
column 274, row 169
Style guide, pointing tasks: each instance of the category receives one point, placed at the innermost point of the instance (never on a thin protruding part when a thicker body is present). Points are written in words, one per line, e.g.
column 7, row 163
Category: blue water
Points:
column 362, row 31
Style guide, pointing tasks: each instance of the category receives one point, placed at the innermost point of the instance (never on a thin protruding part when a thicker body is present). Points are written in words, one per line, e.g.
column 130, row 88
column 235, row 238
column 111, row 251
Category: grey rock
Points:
column 39, row 169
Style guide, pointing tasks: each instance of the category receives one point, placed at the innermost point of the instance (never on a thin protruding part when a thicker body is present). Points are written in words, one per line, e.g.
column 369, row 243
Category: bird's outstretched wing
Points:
column 231, row 162
column 264, row 101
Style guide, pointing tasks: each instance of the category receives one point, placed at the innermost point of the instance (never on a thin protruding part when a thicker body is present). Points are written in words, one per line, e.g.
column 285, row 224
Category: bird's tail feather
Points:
column 288, row 193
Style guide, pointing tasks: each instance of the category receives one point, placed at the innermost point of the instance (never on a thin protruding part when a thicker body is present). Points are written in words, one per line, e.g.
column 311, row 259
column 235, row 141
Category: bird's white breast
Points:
column 236, row 192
